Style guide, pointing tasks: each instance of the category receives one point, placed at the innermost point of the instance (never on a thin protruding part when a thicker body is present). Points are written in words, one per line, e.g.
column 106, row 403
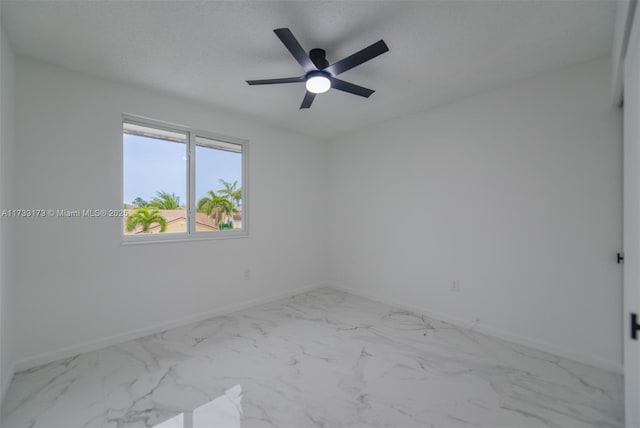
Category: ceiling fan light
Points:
column 318, row 84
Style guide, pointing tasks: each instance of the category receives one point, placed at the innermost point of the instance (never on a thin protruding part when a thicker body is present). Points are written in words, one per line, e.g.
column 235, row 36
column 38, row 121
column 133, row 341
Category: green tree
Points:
column 215, row 206
column 139, row 202
column 231, row 192
column 165, row 201
column 145, row 217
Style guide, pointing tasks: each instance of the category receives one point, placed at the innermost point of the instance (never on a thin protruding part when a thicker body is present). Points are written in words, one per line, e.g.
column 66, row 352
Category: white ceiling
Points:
column 204, row 50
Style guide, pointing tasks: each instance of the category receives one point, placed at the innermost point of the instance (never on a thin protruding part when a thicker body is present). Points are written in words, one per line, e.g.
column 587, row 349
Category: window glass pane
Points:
column 218, row 185
column 155, row 180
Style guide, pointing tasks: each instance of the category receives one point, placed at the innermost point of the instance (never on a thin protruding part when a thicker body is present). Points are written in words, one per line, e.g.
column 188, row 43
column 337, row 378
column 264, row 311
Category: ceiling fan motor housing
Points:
column 319, row 58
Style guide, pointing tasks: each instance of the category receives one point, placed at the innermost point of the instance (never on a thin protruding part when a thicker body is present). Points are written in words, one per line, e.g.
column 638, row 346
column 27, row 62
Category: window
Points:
column 180, row 183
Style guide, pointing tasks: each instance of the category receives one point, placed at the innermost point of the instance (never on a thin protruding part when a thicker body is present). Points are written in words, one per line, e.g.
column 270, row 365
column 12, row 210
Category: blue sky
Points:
column 152, row 165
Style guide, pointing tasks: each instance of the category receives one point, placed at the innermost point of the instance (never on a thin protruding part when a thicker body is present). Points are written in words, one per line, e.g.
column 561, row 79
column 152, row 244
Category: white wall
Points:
column 77, row 284
column 6, row 143
column 516, row 193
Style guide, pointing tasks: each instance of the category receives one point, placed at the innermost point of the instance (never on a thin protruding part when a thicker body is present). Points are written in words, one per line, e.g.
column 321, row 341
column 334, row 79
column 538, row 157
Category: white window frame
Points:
column 191, row 234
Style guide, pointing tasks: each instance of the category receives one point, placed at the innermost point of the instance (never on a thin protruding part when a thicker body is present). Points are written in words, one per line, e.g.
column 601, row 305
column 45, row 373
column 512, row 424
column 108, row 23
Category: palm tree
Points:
column 230, row 191
column 145, row 217
column 227, row 210
column 166, row 201
column 215, row 206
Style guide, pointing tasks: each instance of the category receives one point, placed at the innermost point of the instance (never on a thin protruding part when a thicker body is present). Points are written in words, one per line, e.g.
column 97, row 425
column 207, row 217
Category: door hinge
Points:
column 634, row 326
column 620, row 258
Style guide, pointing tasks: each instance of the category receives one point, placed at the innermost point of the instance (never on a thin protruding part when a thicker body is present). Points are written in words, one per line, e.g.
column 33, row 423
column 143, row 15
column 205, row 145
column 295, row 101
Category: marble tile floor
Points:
column 324, row 358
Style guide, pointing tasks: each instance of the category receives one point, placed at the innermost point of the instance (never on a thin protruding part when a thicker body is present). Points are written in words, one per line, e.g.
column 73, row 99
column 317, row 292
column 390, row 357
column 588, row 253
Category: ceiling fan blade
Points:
column 364, row 55
column 308, row 99
column 276, row 81
column 286, row 37
column 341, row 85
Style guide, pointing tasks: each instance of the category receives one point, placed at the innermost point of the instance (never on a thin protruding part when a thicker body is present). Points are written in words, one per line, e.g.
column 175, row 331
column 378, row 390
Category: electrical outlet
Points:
column 455, row 285
column 246, row 274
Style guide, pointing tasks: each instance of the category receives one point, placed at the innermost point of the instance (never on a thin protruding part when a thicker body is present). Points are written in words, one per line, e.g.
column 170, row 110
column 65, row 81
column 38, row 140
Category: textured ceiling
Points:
column 204, row 50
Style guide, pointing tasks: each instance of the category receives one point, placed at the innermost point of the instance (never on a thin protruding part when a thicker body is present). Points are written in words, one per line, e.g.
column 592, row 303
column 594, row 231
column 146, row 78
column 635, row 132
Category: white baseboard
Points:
column 490, row 331
column 48, row 357
column 93, row 345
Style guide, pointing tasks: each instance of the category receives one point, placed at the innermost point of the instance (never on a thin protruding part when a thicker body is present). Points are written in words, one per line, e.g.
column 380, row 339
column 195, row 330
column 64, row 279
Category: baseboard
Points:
column 48, row 357
column 490, row 331
column 93, row 345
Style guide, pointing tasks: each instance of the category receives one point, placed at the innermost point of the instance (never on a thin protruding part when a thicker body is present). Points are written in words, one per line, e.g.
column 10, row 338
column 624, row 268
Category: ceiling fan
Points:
column 319, row 76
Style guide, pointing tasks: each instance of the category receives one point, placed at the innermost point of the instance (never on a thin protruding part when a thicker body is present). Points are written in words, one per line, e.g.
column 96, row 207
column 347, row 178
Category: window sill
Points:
column 137, row 240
